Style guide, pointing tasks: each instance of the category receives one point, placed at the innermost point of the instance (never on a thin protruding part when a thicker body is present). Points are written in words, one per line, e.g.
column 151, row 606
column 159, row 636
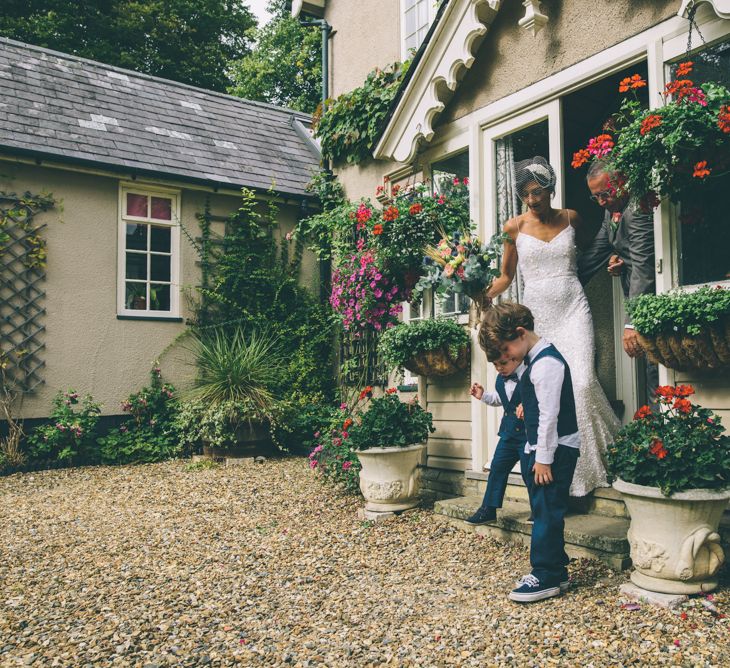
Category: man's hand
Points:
column 543, row 474
column 615, row 265
column 476, row 391
column 520, row 412
column 631, row 343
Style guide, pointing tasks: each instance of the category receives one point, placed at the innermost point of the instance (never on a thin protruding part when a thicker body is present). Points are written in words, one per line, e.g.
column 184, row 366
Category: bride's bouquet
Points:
column 461, row 263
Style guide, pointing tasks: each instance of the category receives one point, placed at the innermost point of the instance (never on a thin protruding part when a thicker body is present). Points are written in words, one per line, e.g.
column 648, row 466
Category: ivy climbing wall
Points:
column 22, row 295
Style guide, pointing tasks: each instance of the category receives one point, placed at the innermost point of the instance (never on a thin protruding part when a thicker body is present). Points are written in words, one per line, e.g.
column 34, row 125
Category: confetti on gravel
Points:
column 260, row 565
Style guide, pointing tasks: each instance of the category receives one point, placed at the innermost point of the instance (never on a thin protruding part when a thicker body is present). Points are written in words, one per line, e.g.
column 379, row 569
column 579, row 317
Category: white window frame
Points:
column 174, row 225
column 425, row 312
column 431, row 6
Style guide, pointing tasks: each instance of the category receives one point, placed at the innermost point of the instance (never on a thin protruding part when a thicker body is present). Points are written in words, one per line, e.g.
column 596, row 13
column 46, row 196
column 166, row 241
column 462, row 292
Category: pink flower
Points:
column 449, row 270
column 346, row 466
column 288, row 236
column 312, row 463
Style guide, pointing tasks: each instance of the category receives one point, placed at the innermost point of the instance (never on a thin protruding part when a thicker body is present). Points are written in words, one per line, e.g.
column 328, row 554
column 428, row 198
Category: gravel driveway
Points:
column 257, row 565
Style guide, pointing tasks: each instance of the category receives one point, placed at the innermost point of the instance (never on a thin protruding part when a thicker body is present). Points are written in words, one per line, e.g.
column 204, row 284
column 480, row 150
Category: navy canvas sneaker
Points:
column 564, row 584
column 531, row 589
column 482, row 516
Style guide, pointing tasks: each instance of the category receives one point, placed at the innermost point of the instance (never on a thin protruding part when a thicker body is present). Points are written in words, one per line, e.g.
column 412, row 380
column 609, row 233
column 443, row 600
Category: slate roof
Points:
column 53, row 105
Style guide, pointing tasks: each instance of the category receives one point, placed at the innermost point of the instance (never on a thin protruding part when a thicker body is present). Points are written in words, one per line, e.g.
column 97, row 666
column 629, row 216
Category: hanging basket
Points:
column 439, row 362
column 707, row 352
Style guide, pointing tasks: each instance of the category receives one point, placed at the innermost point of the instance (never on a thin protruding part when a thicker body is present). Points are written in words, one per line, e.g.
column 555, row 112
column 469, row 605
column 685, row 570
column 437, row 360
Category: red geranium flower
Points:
column 683, row 69
column 367, row 392
column 580, row 158
column 658, row 450
column 347, row 424
column 684, row 391
column 391, row 213
column 682, row 405
column 634, row 81
column 649, row 123
column 643, row 412
column 415, row 208
column 391, row 390
column 701, row 170
column 395, row 189
column 723, row 118
column 377, row 229
column 665, row 391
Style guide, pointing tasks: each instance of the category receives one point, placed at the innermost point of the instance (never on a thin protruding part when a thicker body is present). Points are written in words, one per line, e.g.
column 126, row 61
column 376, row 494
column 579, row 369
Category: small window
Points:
column 148, row 254
column 703, row 232
column 417, row 18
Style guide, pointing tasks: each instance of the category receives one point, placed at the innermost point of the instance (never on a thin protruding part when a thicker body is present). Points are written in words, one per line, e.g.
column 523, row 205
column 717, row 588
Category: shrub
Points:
column 390, row 422
column 402, row 342
column 215, row 424
column 675, row 447
column 71, row 436
column 333, row 457
column 683, row 312
column 298, row 418
column 150, row 434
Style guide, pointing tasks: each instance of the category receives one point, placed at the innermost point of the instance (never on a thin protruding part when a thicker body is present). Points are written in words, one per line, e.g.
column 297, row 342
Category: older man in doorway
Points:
column 624, row 245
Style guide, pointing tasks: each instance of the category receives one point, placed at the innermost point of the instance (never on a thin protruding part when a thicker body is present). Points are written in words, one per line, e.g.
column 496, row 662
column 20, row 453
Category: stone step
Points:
column 586, row 535
column 602, row 501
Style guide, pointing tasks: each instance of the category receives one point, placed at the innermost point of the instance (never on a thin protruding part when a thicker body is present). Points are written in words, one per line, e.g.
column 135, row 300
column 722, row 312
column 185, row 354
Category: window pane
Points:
column 137, row 237
column 411, row 17
column 447, row 304
column 161, row 208
column 136, row 266
column 423, row 14
column 135, row 297
column 444, row 172
column 137, row 205
column 160, row 267
column 159, row 297
column 160, row 241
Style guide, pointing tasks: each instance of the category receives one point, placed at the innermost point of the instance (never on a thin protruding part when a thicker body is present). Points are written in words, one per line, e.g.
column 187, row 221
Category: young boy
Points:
column 553, row 443
column 511, row 445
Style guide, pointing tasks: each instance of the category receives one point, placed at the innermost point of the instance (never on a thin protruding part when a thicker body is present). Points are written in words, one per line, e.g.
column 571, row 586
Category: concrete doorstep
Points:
column 591, row 536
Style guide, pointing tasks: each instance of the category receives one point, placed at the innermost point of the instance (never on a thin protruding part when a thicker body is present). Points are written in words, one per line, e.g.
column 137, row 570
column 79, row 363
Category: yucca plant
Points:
column 236, row 368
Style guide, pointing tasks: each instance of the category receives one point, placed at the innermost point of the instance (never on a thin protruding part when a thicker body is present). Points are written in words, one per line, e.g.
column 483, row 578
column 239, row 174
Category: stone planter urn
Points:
column 674, row 541
column 390, row 479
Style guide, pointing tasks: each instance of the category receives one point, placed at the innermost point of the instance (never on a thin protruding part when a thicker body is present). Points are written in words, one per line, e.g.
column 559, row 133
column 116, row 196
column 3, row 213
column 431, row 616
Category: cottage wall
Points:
column 87, row 347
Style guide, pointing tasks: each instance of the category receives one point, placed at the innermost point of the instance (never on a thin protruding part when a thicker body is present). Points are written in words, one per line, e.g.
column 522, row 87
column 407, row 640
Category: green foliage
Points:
column 202, row 465
column 333, row 457
column 351, row 123
column 236, row 367
column 214, row 424
column 186, row 41
column 683, row 312
column 20, row 213
column 252, row 282
column 150, row 434
column 402, row 342
column 390, row 422
column 299, row 420
column 71, row 437
column 322, row 231
column 284, row 66
column 678, row 446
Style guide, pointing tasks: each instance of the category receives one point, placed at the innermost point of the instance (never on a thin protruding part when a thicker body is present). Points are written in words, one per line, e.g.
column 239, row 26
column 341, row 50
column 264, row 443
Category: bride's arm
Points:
column 509, row 261
column 584, row 232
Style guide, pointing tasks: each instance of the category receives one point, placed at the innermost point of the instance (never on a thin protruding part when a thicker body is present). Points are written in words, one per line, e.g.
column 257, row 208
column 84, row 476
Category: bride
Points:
column 544, row 247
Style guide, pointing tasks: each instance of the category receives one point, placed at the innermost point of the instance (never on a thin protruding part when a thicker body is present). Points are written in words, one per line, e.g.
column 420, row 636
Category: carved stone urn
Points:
column 674, row 541
column 390, row 479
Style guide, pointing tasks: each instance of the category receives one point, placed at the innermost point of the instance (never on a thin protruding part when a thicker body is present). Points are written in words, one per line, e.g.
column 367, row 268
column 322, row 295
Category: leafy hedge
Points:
column 684, row 312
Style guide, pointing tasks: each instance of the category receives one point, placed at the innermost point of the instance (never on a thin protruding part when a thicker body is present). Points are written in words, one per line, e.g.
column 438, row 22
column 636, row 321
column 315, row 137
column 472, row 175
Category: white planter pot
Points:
column 389, row 478
column 674, row 542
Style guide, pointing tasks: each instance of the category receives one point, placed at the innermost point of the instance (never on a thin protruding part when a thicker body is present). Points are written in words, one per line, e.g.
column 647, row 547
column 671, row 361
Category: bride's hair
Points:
column 535, row 170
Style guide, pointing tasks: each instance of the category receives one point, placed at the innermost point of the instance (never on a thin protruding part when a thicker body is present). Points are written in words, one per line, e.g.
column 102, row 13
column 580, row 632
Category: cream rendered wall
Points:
column 510, row 58
column 87, row 347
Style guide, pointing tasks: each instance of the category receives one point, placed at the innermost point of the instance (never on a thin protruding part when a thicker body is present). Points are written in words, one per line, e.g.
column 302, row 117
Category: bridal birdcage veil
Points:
column 534, row 170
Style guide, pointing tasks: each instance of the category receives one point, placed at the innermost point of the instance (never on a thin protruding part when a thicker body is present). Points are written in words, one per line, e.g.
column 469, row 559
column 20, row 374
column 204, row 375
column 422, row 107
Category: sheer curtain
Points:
column 508, row 201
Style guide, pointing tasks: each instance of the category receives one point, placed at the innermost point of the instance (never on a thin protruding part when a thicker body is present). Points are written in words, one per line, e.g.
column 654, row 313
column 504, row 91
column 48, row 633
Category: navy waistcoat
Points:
column 567, row 421
column 511, row 426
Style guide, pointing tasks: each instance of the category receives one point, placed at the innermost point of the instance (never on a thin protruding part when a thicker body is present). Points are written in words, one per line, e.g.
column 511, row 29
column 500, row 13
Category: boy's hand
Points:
column 543, row 474
column 476, row 391
column 520, row 412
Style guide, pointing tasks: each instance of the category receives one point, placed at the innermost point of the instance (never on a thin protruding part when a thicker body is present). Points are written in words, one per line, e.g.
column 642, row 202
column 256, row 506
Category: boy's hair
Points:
column 500, row 323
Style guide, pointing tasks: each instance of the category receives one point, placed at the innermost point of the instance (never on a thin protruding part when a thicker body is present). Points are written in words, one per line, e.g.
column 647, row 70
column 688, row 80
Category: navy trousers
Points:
column 549, row 504
column 509, row 451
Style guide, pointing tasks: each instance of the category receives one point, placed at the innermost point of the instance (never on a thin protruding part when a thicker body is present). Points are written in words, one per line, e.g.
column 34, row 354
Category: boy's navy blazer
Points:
column 511, row 426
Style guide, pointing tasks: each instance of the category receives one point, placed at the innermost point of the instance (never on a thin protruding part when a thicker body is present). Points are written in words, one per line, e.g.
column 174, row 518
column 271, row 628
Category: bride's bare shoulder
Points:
column 512, row 226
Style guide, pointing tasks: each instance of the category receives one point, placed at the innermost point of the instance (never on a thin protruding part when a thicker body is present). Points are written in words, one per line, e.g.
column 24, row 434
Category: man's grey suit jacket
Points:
column 633, row 242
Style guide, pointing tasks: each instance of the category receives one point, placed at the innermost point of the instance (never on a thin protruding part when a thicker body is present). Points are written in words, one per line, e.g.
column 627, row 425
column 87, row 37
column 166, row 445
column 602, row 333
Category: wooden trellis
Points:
column 22, row 297
column 365, row 367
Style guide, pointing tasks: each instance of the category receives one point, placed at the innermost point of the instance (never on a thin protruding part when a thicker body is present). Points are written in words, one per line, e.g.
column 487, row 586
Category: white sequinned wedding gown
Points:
column 556, row 298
